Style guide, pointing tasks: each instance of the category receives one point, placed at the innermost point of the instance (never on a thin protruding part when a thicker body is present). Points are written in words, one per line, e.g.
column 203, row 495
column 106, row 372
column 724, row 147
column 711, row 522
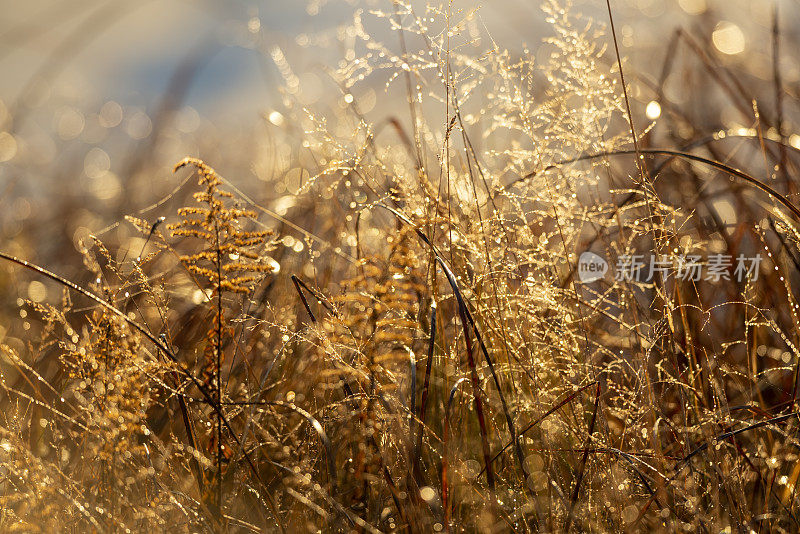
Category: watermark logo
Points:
column 591, row 267
column 641, row 268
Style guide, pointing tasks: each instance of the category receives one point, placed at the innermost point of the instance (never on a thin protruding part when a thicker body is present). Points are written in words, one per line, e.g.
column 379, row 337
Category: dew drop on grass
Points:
column 653, row 110
column 630, row 513
column 428, row 494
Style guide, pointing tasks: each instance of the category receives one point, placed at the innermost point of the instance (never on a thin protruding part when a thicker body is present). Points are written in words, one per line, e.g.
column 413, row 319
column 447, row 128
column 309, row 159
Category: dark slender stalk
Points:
column 218, row 366
column 477, row 398
column 791, row 187
column 424, row 402
column 445, row 463
column 296, row 282
column 581, row 471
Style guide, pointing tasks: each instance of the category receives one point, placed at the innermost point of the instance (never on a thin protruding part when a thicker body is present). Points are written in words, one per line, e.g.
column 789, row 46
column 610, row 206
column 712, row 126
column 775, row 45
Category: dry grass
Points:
column 403, row 343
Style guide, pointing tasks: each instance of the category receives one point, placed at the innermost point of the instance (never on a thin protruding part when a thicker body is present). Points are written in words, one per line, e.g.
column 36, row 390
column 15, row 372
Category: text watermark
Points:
column 687, row 267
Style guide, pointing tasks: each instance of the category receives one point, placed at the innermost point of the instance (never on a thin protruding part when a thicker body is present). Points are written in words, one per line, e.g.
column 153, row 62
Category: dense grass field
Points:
column 459, row 288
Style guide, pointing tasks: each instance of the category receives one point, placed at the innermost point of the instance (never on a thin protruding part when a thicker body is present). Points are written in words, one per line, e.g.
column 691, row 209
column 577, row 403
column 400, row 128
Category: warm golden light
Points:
column 728, row 38
column 653, row 110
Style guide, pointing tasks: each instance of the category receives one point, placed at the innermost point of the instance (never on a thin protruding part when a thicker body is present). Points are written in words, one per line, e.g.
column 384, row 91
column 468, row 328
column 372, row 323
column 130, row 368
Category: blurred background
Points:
column 99, row 99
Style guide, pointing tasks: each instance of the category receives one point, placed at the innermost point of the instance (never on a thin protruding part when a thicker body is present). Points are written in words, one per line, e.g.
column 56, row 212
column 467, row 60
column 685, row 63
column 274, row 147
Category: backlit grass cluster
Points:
column 402, row 341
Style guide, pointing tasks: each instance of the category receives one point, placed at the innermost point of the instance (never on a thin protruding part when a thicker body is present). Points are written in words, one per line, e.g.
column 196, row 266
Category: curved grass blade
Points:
column 675, row 154
column 323, row 437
